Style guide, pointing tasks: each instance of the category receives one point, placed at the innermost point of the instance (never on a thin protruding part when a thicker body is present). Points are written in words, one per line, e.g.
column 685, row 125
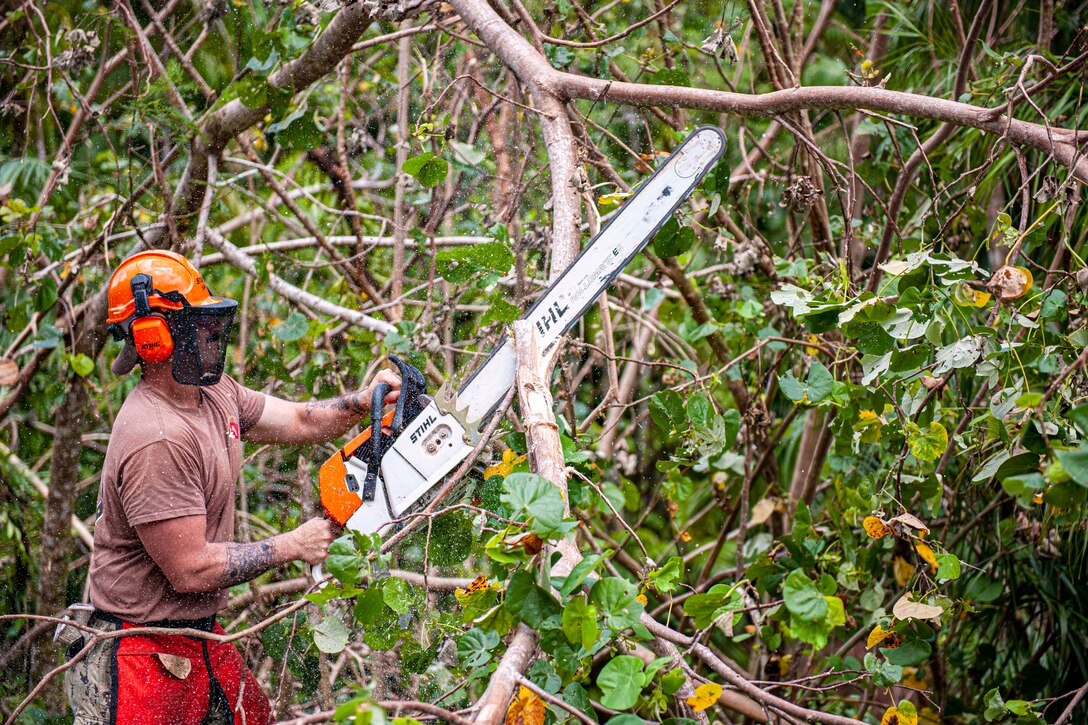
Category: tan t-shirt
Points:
column 164, row 461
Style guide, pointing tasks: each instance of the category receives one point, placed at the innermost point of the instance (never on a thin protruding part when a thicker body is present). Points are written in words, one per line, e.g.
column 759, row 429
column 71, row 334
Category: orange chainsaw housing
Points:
column 338, row 501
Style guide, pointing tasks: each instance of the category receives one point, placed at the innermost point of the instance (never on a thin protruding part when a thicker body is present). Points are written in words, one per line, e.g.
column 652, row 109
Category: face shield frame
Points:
column 201, row 334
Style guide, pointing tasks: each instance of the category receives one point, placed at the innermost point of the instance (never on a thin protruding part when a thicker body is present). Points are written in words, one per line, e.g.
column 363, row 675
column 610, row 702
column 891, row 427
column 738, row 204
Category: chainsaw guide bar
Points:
column 430, row 436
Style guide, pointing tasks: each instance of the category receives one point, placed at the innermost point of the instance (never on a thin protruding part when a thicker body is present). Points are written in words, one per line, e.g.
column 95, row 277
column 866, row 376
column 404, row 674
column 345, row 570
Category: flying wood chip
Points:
column 9, row 371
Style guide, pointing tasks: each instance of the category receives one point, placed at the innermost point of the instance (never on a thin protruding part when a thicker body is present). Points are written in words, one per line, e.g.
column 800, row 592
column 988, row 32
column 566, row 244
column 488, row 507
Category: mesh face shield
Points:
column 200, row 337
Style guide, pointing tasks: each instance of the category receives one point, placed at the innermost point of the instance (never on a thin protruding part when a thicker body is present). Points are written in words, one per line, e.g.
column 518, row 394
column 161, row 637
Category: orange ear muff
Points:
column 152, row 339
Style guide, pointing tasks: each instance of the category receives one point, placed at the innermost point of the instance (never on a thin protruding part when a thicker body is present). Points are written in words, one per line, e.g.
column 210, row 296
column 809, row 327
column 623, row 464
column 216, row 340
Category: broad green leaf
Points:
column 537, row 497
column 616, row 600
column 928, row 444
column 803, row 598
column 330, row 635
column 580, row 623
column 398, row 595
column 527, row 601
column 621, row 682
column 474, row 647
column 1075, row 463
column 81, row 364
column 293, row 328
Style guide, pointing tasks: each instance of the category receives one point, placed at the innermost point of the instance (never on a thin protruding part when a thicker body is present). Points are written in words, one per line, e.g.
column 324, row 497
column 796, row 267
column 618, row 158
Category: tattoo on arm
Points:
column 246, row 561
column 350, row 403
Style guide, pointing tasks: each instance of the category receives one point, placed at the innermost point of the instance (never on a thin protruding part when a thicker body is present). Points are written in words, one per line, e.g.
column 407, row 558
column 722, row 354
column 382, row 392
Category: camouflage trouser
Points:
column 88, row 683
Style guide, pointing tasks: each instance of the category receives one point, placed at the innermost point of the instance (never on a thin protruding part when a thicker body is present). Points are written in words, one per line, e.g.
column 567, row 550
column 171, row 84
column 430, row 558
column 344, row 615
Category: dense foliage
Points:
column 844, row 440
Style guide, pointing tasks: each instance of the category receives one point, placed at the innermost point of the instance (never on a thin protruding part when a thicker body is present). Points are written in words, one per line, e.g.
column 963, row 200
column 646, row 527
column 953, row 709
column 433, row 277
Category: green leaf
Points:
column 927, row 445
column 500, row 311
column 616, row 600
column 580, row 623
column 995, row 706
column 667, row 578
column 343, row 561
column 397, row 595
column 579, row 573
column 81, row 364
column 330, row 635
column 667, row 410
column 948, row 567
column 820, row 382
column 536, row 496
column 474, row 647
column 621, row 681
column 672, row 239
column 429, row 169
column 707, row 607
column 297, row 132
column 1075, row 463
column 529, row 602
column 910, row 653
column 802, row 597
column 293, row 328
column 699, row 410
column 462, row 264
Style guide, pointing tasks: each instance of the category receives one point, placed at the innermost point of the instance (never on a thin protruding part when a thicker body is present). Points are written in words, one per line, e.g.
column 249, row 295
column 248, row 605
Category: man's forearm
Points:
column 228, row 564
column 335, row 415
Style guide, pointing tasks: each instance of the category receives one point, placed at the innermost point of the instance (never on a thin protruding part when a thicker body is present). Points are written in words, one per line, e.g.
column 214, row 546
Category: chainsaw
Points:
column 397, row 464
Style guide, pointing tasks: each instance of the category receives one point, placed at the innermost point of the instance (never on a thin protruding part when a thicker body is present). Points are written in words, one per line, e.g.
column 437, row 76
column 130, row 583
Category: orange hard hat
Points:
column 174, row 277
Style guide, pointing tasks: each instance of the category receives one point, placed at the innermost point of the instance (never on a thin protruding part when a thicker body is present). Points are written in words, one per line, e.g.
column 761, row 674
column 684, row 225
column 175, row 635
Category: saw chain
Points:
column 381, row 476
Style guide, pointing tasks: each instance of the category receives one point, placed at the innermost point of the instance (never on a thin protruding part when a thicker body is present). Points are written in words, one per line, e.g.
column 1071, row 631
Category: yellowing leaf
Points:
column 869, row 426
column 812, row 350
column 911, row 679
column 927, row 555
column 904, row 714
column 929, row 444
column 876, row 637
column 1010, row 283
column 908, row 608
column 903, row 570
column 875, row 527
column 612, row 199
column 642, row 599
column 526, row 709
column 927, row 716
column 908, row 713
column 762, row 511
column 685, row 536
column 965, row 295
column 705, row 696
column 506, row 467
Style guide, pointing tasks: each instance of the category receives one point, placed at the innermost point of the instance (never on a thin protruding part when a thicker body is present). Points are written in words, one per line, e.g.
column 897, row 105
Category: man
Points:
column 163, row 549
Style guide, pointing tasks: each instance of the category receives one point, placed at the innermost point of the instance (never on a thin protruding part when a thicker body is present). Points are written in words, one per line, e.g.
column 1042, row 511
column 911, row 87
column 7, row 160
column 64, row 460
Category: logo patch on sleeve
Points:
column 232, row 431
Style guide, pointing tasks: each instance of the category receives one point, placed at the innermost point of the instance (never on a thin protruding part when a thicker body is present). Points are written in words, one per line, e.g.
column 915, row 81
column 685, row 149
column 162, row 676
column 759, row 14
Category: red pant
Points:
column 168, row 680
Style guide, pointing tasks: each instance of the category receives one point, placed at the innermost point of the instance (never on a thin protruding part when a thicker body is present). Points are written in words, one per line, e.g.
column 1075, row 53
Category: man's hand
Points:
column 310, row 542
column 383, row 376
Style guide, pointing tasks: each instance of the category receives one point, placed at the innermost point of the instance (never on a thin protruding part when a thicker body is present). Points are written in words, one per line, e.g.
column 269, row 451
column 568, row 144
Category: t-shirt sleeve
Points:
column 161, row 481
column 250, row 404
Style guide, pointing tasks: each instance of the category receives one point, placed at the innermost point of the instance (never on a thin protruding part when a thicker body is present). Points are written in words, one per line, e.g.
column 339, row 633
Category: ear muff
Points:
column 150, row 331
column 152, row 339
